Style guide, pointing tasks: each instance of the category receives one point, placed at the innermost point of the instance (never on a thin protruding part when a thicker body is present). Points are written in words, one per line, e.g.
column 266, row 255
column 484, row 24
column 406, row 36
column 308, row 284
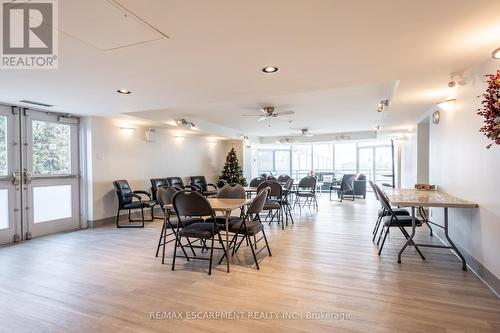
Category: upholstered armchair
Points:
column 200, row 183
column 132, row 200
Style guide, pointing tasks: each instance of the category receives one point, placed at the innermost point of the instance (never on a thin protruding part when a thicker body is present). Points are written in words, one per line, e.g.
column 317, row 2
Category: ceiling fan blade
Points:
column 262, row 119
column 285, row 113
column 251, row 115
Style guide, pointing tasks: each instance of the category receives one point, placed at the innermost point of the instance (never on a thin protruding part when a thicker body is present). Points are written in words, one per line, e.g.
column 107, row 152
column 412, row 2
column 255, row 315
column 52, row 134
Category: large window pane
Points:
column 301, row 160
column 383, row 164
column 51, row 148
column 366, row 162
column 4, row 209
column 3, row 146
column 323, row 157
column 282, row 162
column 52, row 203
column 265, row 162
column 345, row 157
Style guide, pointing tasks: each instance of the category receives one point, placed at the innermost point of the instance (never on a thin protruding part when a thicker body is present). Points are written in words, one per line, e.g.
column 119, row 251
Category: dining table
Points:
column 423, row 198
column 225, row 206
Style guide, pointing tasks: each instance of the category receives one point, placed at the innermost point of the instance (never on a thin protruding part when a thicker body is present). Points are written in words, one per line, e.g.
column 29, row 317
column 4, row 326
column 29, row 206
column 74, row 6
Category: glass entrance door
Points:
column 39, row 182
column 10, row 178
column 51, row 183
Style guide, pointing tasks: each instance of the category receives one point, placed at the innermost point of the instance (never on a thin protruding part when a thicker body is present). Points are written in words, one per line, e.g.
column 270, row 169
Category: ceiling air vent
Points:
column 36, row 103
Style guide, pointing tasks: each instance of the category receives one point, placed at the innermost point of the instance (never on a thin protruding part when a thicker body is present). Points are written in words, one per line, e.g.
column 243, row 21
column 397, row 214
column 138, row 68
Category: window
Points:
column 51, row 148
column 265, row 161
column 302, row 156
column 281, row 162
column 323, row 157
column 276, row 162
column 3, row 146
column 345, row 157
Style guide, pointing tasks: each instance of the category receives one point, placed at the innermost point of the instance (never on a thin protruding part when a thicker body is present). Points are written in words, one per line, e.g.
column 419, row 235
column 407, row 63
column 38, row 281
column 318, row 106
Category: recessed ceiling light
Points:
column 124, row 91
column 270, row 69
column 496, row 54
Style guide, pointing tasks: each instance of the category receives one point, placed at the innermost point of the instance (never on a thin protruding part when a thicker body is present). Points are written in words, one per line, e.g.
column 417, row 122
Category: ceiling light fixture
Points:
column 185, row 123
column 382, row 105
column 270, row 69
column 124, row 91
column 496, row 54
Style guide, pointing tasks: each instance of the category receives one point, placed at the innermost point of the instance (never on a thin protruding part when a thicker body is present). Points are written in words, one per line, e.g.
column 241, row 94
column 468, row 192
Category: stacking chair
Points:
column 235, row 191
column 256, row 181
column 284, row 178
column 307, row 190
column 346, row 187
column 194, row 204
column 272, row 178
column 156, row 183
column 170, row 222
column 274, row 202
column 382, row 212
column 201, row 185
column 393, row 220
column 286, row 202
column 249, row 226
column 126, row 202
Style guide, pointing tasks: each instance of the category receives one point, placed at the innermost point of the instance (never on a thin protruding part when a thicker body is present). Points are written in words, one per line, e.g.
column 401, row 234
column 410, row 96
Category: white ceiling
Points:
column 338, row 59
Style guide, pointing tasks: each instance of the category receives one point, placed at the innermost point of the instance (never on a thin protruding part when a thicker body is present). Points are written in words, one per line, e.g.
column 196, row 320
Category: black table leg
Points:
column 464, row 265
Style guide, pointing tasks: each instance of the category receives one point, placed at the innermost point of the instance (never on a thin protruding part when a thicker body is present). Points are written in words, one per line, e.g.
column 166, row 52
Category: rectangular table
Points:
column 225, row 206
column 419, row 198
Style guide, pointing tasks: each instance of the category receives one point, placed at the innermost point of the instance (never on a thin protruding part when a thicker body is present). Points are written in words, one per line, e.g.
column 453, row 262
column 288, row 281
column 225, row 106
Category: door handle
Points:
column 28, row 177
column 16, row 178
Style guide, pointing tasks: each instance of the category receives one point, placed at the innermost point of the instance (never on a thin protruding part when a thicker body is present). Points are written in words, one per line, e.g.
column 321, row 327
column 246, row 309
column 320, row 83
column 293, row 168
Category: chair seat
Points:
column 404, row 221
column 198, row 230
column 222, row 219
column 398, row 211
column 253, row 227
column 272, row 204
column 140, row 204
column 174, row 221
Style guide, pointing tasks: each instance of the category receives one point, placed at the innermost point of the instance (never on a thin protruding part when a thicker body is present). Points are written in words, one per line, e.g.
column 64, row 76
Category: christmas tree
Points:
column 232, row 173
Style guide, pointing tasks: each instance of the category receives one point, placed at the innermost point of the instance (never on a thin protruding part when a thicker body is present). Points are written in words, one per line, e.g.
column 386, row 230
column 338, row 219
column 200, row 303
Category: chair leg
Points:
column 253, row 253
column 175, row 251
column 159, row 240
column 164, row 245
column 383, row 241
column 380, row 235
column 117, row 219
column 375, row 228
column 267, row 244
column 211, row 256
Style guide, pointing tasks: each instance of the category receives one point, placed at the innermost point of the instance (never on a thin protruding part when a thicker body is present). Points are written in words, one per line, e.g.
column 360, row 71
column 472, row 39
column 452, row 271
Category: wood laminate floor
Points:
column 108, row 280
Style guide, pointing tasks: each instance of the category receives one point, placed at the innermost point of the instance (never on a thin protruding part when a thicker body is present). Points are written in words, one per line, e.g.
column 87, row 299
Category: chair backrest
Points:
column 276, row 190
column 188, row 203
column 123, row 192
column 272, row 178
column 347, row 183
column 372, row 184
column 199, row 181
column 175, row 182
column 284, row 178
column 256, row 181
column 156, row 183
column 262, row 186
column 232, row 192
column 258, row 203
column 384, row 201
column 165, row 195
column 288, row 184
column 308, row 183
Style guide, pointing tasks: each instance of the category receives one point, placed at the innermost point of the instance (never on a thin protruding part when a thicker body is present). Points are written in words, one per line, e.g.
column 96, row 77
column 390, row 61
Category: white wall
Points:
column 461, row 166
column 118, row 154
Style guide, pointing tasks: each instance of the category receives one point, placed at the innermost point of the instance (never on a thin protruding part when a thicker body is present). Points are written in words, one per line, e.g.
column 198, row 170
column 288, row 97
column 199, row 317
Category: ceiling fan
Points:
column 269, row 113
column 306, row 132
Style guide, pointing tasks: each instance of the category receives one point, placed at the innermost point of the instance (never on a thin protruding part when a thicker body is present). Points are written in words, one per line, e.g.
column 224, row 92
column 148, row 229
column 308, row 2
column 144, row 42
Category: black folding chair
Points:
column 193, row 204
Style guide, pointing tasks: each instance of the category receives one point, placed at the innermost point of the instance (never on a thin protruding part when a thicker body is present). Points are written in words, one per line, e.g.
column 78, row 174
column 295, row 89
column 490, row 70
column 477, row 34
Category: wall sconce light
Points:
column 185, row 123
column 150, row 135
column 447, row 105
column 127, row 130
column 246, row 141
